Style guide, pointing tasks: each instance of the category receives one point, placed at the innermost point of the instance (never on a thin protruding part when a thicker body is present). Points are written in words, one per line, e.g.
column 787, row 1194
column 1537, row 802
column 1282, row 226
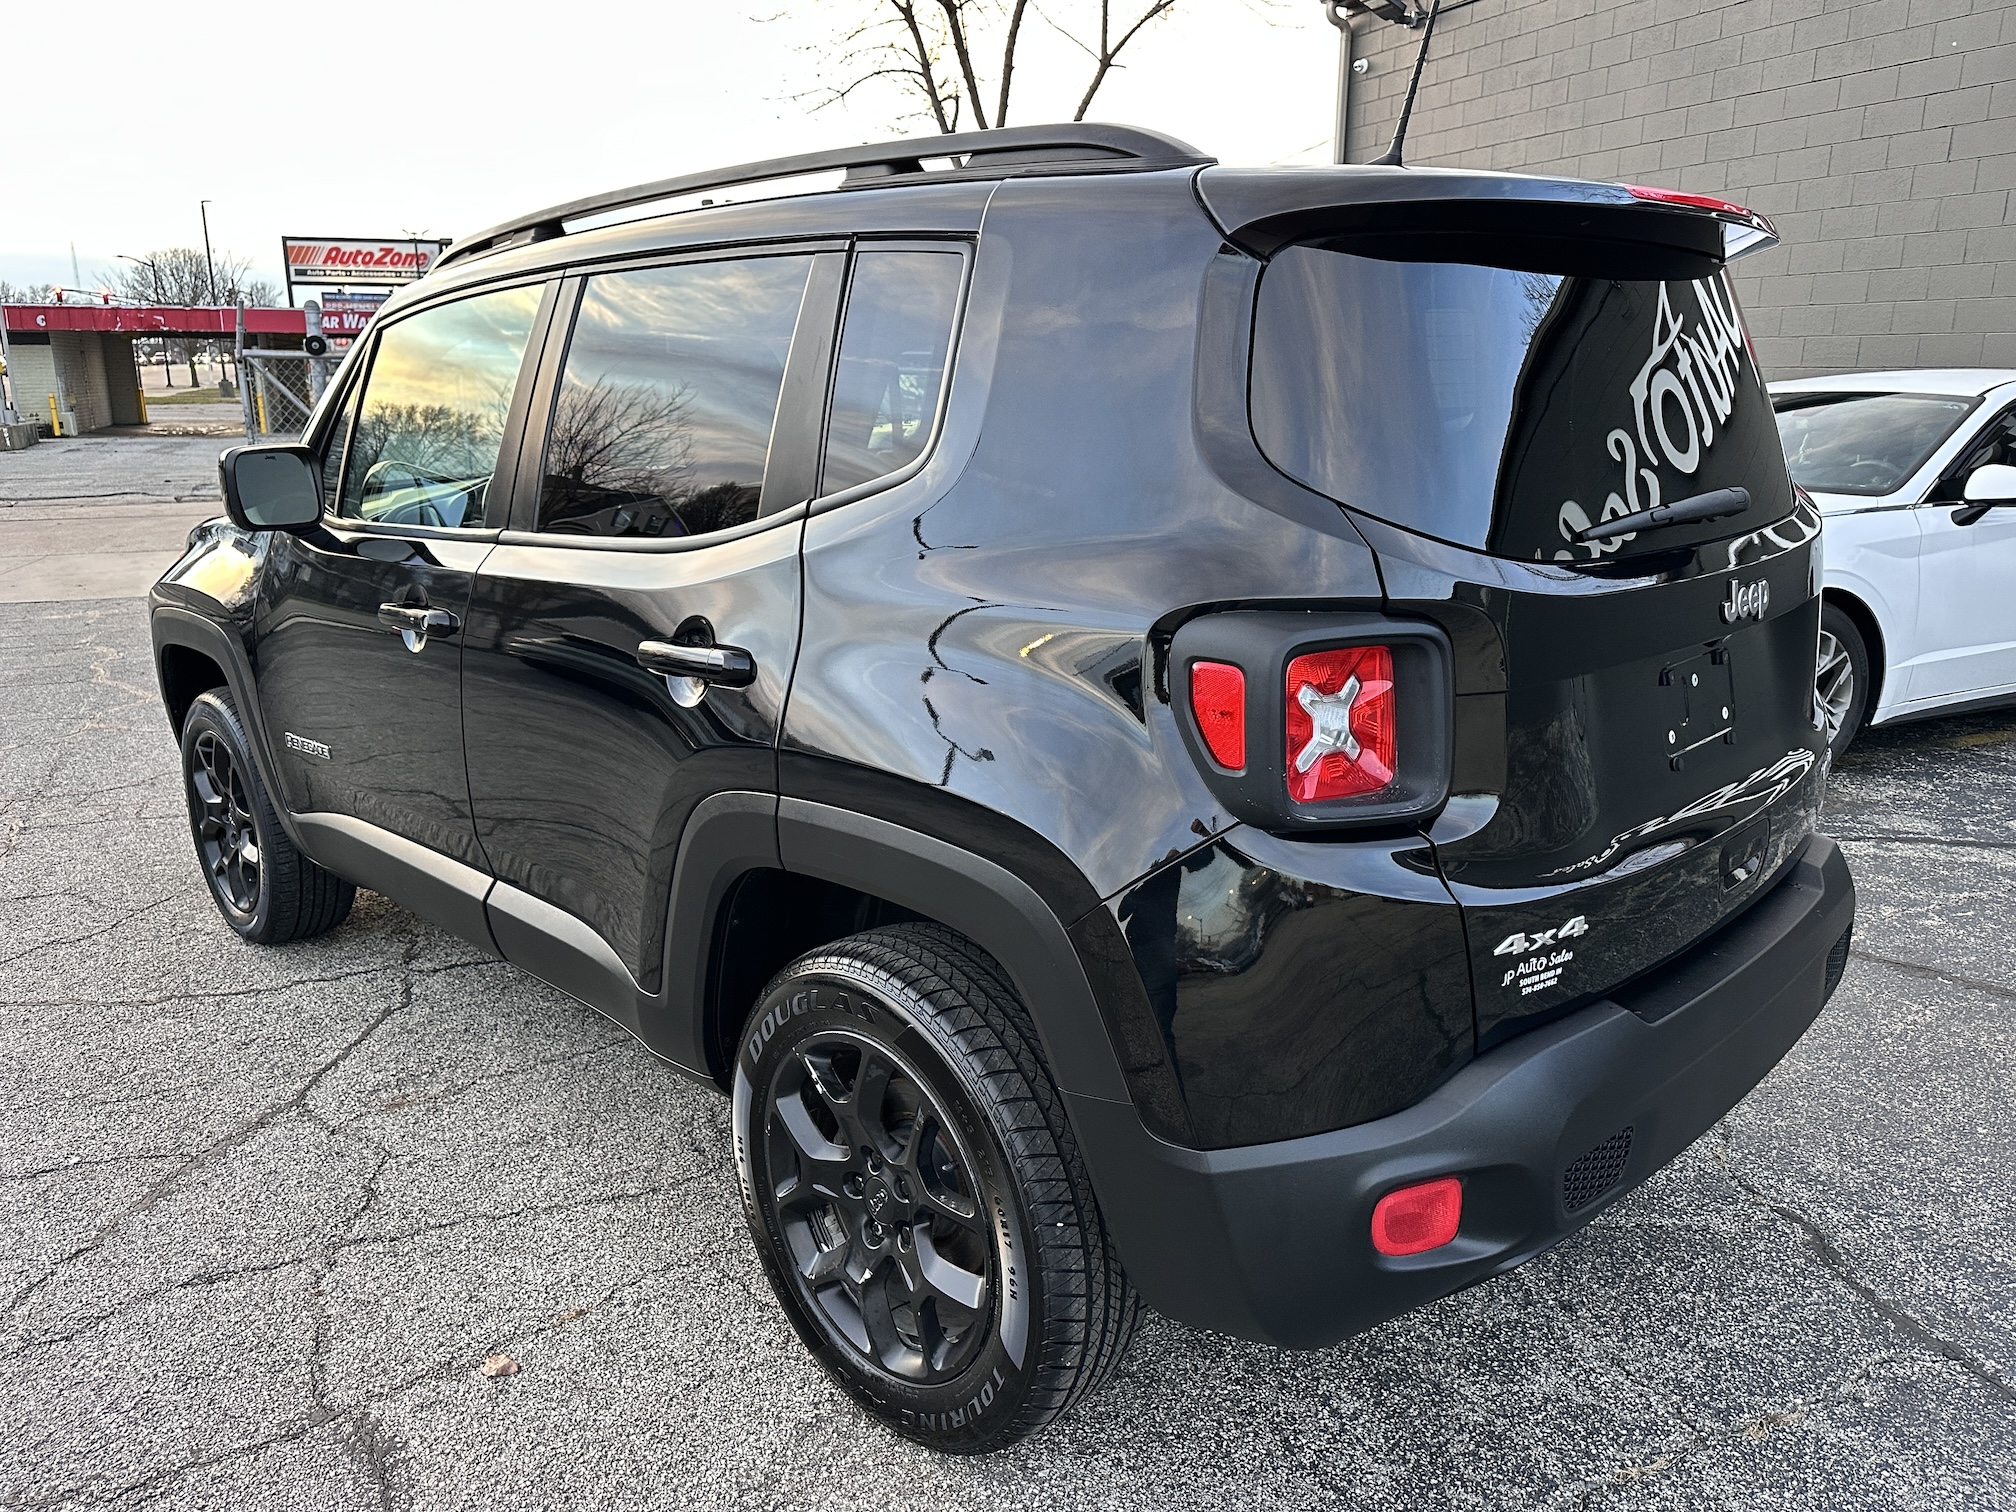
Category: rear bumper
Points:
column 1271, row 1242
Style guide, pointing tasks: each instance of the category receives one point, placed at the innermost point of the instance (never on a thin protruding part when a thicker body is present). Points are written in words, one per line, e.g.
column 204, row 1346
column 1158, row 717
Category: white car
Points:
column 1915, row 476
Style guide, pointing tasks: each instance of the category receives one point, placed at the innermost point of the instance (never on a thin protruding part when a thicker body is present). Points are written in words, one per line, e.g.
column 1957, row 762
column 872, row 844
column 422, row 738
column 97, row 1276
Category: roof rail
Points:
column 1000, row 153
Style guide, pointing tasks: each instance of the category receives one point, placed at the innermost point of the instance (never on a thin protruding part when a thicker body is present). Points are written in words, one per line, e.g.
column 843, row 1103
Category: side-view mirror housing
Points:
column 1986, row 487
column 1993, row 484
column 271, row 487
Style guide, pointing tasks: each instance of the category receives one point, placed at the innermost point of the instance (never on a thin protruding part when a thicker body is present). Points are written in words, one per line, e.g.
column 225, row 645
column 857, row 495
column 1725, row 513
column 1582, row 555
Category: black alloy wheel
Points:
column 264, row 887
column 227, row 836
column 879, row 1201
column 916, row 1194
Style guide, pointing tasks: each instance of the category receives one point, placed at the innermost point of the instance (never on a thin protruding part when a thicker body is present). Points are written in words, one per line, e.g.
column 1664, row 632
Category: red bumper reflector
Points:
column 1218, row 699
column 1341, row 728
column 1418, row 1218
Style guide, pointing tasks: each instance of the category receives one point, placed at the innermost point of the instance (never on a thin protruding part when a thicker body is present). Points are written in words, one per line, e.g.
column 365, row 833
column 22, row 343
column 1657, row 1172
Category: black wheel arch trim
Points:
column 987, row 903
column 173, row 625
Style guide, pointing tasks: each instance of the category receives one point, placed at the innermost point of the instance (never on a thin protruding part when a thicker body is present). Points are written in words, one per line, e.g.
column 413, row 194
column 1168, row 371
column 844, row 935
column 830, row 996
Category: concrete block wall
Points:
column 80, row 362
column 32, row 377
column 1878, row 135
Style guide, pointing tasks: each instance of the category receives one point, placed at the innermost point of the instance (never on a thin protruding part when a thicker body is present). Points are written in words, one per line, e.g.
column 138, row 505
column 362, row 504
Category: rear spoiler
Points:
column 1504, row 219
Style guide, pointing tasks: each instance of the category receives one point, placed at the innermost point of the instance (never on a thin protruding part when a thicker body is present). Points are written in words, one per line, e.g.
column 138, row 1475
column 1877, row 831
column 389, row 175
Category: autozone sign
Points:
column 313, row 259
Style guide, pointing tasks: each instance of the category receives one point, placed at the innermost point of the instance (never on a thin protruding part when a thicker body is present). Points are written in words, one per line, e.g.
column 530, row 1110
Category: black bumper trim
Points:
column 1272, row 1242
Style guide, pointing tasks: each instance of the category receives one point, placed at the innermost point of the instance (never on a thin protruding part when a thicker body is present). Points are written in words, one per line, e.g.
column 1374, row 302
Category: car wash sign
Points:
column 340, row 260
column 345, row 314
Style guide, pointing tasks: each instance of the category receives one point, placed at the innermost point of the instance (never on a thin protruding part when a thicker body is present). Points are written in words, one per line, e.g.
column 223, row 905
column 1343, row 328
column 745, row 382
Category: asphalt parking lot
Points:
column 264, row 1213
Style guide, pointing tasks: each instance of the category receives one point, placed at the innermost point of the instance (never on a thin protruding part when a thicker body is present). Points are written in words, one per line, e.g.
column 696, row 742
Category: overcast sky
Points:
column 443, row 118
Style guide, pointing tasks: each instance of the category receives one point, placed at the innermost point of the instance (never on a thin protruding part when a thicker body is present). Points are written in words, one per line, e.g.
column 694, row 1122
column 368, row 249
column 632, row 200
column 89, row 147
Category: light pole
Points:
column 154, row 281
column 209, row 264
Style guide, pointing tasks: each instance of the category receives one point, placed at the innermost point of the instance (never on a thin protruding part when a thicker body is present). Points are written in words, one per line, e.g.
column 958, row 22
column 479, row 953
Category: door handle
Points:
column 415, row 623
column 421, row 621
column 725, row 666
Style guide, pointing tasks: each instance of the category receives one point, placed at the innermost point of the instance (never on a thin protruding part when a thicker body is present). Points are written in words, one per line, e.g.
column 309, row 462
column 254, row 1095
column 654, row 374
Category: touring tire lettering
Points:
column 810, row 1000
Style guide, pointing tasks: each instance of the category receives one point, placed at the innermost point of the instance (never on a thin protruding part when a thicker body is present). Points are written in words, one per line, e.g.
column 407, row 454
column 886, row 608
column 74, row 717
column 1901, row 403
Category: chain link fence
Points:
column 280, row 388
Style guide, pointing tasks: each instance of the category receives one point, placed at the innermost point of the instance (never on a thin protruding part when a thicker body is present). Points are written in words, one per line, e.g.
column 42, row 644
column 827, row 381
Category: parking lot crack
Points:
column 93, row 1163
column 264, row 989
column 295, row 1102
column 1954, row 842
column 104, row 929
column 1926, row 973
column 1829, row 1255
column 515, row 1215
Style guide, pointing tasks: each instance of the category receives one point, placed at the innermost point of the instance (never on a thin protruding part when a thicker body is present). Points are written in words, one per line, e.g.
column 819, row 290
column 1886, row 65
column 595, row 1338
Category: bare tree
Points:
column 615, row 444
column 27, row 293
column 183, row 276
column 957, row 57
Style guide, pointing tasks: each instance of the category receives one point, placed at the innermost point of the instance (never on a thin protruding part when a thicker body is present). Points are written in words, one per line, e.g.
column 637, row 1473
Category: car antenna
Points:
column 1391, row 157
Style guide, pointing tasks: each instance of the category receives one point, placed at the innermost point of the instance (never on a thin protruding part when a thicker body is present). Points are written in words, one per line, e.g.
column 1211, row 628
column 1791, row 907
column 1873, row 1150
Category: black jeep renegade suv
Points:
column 1237, row 739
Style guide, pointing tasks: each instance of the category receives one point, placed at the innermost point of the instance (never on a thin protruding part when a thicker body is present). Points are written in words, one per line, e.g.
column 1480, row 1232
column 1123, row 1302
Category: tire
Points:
column 1841, row 680
column 888, row 1230
column 266, row 889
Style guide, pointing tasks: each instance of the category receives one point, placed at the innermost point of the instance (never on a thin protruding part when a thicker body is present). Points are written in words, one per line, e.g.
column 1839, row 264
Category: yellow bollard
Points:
column 141, row 395
column 259, row 403
column 55, row 422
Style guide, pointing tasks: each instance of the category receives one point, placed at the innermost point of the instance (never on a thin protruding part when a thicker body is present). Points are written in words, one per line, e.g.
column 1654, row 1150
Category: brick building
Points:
column 1879, row 135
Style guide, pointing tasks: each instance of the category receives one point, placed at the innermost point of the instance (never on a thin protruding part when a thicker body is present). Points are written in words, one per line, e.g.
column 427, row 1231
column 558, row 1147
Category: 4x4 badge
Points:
column 1746, row 600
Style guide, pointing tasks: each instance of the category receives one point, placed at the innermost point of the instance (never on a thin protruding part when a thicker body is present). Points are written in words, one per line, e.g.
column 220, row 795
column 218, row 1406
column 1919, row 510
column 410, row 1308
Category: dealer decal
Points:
column 1546, row 956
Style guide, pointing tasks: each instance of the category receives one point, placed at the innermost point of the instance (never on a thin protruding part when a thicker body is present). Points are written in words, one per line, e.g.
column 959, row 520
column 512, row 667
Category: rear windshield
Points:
column 1510, row 410
column 1864, row 443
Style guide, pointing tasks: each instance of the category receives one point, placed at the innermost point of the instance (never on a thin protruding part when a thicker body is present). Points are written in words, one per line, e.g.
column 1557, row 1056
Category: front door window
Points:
column 434, row 409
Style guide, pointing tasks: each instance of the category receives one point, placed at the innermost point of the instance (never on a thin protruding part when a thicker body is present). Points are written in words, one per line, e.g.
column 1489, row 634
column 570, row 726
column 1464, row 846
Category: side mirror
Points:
column 271, row 487
column 1993, row 484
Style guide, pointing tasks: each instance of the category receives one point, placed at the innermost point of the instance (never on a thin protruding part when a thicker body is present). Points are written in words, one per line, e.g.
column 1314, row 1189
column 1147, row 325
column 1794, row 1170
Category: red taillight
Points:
column 1418, row 1218
column 1218, row 699
column 1680, row 197
column 1341, row 738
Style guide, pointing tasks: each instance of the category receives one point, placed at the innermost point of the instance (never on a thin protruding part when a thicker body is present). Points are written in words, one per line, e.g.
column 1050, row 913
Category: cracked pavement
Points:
column 263, row 1214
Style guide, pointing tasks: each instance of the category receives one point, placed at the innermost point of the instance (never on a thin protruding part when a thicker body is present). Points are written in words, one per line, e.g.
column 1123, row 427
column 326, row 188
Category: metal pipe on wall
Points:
column 1343, row 78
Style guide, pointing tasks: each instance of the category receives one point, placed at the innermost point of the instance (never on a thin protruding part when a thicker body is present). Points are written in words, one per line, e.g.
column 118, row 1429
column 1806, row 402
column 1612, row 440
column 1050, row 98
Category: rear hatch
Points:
column 1480, row 368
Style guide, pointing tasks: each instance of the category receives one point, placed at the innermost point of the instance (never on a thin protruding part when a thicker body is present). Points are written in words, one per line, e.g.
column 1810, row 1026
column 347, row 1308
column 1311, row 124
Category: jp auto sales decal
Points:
column 1545, row 955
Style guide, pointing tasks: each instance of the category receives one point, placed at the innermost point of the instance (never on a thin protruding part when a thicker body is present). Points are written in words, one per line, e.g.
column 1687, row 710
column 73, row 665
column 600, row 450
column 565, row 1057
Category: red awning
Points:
column 152, row 320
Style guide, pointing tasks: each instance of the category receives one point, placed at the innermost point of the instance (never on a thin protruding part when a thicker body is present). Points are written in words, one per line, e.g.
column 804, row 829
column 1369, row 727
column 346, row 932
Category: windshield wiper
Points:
column 1713, row 505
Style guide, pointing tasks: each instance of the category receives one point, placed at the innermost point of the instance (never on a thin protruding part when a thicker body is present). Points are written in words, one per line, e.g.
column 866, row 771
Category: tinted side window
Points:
column 663, row 418
column 892, row 363
column 433, row 411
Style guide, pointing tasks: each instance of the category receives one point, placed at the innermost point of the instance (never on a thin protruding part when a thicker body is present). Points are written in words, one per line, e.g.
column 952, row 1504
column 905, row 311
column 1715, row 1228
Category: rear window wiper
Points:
column 1713, row 505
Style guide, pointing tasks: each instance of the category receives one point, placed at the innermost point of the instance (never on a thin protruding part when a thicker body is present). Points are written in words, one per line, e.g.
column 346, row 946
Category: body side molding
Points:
column 563, row 952
column 434, row 886
column 987, row 903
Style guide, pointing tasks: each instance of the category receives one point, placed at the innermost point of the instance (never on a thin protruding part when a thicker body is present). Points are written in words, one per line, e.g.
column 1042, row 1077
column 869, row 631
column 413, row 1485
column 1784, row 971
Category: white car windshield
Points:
column 1863, row 443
